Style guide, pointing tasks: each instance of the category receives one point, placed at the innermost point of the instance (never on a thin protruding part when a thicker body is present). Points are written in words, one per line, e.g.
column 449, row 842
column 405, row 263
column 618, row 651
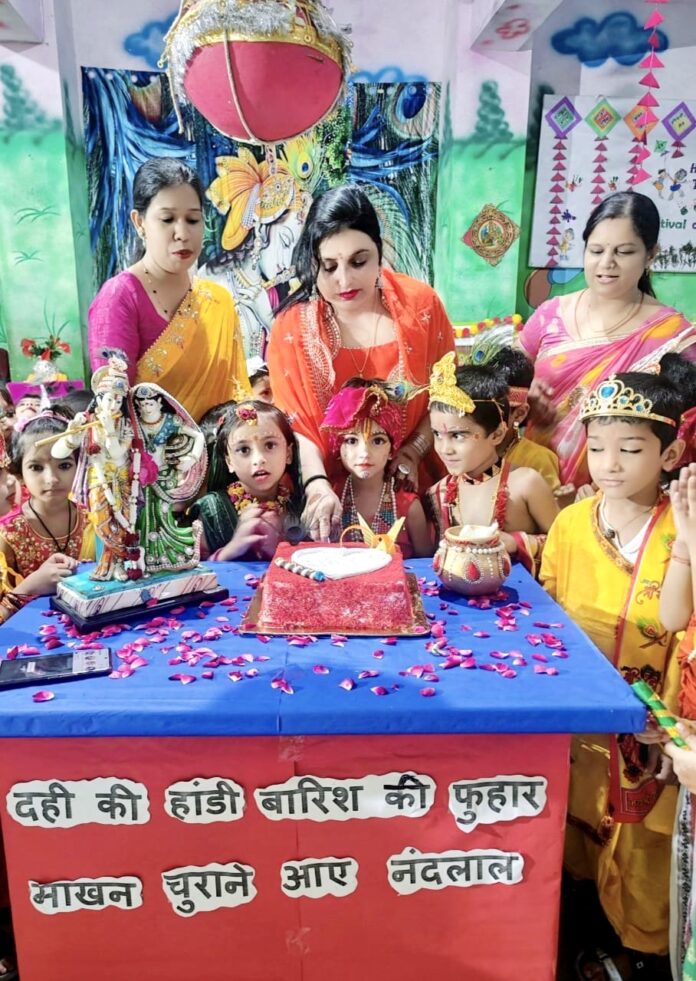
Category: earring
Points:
column 314, row 295
column 379, row 282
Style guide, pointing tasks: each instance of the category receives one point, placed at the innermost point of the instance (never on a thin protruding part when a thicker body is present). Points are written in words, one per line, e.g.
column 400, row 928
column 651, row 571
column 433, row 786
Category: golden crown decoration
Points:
column 113, row 376
column 443, row 386
column 613, row 398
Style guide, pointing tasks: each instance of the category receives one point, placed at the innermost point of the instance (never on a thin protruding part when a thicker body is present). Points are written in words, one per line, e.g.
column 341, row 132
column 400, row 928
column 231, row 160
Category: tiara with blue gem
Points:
column 613, row 398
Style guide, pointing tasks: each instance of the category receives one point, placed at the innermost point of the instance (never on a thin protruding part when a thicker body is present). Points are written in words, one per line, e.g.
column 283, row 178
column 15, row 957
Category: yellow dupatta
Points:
column 643, row 651
column 199, row 357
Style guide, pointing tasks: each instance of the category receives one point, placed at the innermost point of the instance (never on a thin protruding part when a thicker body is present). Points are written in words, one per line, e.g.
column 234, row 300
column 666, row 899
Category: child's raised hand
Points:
column 682, row 492
column 542, row 408
column 251, row 535
column 44, row 581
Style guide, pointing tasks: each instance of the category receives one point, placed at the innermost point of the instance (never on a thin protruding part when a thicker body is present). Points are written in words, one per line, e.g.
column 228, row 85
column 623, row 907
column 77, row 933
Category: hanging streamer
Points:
column 643, row 117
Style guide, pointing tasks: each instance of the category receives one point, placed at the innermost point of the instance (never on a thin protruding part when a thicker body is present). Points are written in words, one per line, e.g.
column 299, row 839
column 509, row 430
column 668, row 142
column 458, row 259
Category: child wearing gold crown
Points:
column 468, row 412
column 364, row 427
column 605, row 562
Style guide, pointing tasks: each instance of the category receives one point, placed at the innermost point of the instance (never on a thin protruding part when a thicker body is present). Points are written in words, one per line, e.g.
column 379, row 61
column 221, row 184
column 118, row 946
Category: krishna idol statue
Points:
column 141, row 456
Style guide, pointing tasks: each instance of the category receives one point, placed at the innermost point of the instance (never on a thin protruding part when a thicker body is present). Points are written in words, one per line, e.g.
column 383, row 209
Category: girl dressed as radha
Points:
column 174, row 332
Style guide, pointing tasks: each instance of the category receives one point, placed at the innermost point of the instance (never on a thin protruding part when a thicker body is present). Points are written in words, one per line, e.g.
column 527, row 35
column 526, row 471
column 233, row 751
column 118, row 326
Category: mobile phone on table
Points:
column 46, row 669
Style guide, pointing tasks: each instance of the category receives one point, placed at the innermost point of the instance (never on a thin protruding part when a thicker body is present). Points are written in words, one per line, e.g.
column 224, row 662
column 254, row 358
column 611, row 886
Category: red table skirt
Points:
column 483, row 932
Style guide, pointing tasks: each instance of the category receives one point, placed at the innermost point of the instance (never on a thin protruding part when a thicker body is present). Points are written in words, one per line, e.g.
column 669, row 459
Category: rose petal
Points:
column 540, row 657
column 185, row 679
column 428, row 692
column 235, row 675
column 388, row 641
column 207, row 675
column 43, row 696
column 347, row 684
column 481, row 633
column 379, row 690
column 320, row 669
column 367, row 674
column 283, row 685
column 251, row 673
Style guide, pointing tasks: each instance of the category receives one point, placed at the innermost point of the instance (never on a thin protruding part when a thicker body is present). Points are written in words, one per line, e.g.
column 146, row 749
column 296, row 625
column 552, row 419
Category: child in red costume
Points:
column 365, row 427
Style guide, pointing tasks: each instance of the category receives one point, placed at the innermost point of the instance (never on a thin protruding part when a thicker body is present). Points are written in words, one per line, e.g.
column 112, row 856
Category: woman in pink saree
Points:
column 616, row 324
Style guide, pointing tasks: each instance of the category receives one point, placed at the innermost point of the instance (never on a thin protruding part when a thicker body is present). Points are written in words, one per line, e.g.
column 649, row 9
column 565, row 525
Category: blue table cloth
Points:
column 298, row 690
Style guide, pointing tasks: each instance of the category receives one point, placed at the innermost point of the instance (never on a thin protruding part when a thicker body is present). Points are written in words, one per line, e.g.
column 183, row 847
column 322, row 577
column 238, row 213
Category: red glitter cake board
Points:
column 418, row 627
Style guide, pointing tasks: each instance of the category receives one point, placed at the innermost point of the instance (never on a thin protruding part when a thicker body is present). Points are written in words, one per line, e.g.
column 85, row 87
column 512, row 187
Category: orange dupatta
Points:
column 199, row 357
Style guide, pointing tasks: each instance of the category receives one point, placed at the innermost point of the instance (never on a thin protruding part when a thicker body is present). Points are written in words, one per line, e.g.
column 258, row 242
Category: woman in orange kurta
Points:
column 352, row 318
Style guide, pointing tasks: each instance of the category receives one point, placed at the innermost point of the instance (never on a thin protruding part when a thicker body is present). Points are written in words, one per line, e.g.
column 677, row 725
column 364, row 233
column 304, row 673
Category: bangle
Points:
column 420, row 443
column 678, row 558
column 317, row 476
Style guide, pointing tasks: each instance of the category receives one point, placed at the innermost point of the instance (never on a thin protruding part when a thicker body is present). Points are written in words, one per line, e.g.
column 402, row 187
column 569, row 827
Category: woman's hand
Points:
column 45, row 579
column 404, row 467
column 541, row 406
column 322, row 513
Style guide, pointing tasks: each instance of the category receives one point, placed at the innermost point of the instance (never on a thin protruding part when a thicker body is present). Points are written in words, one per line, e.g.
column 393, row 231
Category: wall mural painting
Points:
column 384, row 137
column 619, row 36
column 481, row 174
column 39, row 318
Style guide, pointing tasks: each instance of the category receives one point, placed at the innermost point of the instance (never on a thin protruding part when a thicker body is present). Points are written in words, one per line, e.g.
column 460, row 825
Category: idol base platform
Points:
column 92, row 604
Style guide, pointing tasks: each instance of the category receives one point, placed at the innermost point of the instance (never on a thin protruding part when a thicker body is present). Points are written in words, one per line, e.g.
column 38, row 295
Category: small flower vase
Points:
column 44, row 371
column 472, row 560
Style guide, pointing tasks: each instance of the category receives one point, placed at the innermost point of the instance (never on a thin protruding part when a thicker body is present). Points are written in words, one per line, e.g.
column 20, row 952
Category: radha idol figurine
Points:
column 174, row 442
column 141, row 454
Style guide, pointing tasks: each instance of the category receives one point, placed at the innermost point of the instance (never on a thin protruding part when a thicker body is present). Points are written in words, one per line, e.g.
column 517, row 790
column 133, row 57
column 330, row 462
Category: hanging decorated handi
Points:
column 260, row 71
column 643, row 116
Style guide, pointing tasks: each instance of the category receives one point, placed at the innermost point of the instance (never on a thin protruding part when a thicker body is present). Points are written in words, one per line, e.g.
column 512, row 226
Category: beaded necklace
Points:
column 167, row 428
column 385, row 515
column 241, row 498
column 59, row 547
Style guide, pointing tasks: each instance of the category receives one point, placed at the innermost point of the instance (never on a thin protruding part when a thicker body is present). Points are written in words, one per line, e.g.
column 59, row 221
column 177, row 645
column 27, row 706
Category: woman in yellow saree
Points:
column 180, row 335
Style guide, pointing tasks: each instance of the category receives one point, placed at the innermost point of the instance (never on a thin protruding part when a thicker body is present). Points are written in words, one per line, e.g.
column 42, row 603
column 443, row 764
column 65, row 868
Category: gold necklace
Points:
column 608, row 331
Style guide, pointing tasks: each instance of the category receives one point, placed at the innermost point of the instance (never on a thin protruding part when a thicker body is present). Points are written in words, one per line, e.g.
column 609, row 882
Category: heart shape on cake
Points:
column 340, row 563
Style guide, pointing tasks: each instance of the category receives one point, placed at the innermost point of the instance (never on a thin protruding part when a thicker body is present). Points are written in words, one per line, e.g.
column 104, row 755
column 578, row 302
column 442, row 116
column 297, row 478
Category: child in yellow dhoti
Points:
column 605, row 561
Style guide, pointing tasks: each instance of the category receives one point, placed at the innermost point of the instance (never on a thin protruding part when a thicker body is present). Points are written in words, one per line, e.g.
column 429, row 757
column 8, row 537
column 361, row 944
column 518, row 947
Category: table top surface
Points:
column 292, row 686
